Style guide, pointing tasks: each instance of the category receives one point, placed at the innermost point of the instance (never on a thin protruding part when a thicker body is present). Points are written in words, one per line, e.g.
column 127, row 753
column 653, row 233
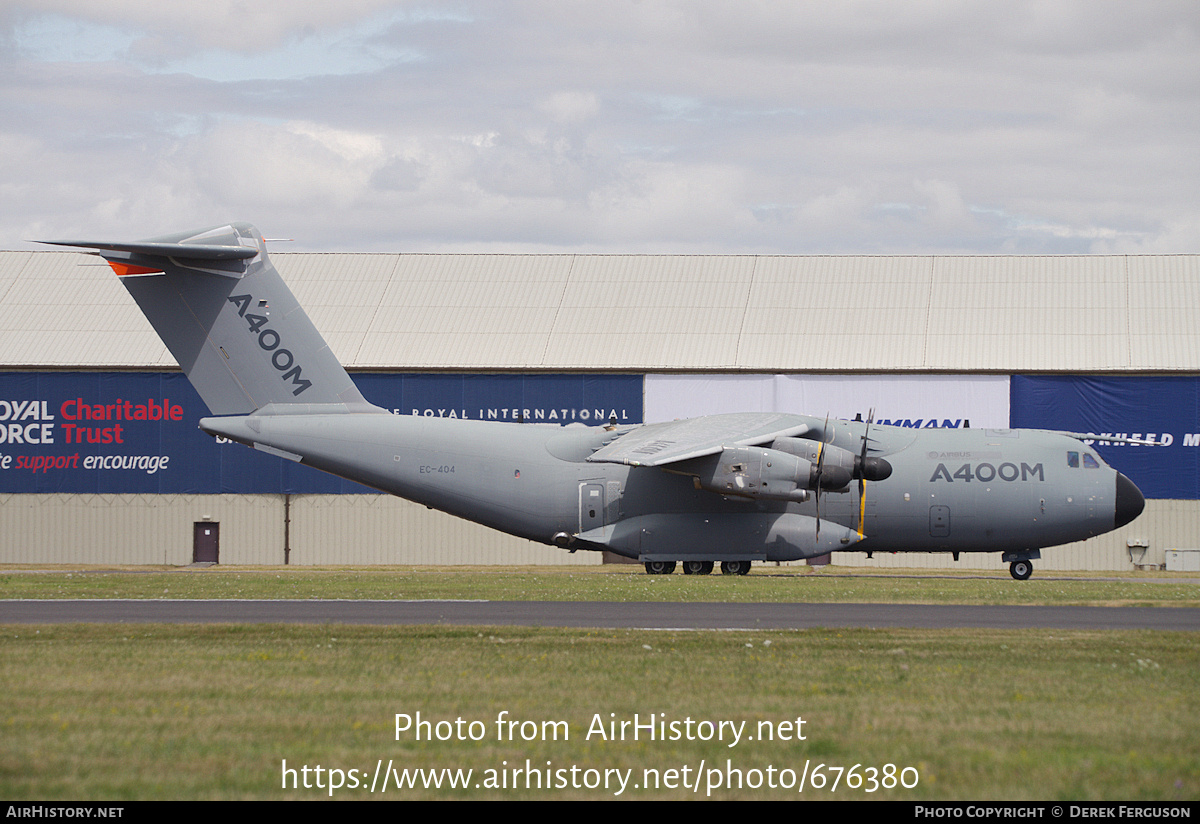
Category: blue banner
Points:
column 112, row 432
column 1164, row 410
column 115, row 432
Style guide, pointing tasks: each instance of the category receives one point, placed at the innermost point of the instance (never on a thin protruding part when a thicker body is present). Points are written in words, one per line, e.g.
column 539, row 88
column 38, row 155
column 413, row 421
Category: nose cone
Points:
column 1130, row 502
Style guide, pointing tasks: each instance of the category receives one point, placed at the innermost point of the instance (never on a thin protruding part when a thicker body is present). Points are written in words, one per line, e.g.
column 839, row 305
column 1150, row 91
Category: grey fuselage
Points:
column 950, row 490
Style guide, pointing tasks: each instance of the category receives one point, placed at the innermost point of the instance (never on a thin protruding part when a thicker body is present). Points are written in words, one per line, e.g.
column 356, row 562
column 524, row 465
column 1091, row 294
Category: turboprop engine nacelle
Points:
column 838, row 465
column 757, row 472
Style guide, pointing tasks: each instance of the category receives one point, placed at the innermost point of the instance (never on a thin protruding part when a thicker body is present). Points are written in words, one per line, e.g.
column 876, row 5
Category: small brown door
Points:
column 205, row 542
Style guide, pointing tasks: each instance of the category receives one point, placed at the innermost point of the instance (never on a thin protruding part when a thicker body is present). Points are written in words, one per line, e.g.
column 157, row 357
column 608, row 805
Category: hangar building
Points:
column 101, row 461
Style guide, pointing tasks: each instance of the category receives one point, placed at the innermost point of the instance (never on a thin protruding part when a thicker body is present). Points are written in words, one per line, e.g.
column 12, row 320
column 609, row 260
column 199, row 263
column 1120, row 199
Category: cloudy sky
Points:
column 616, row 126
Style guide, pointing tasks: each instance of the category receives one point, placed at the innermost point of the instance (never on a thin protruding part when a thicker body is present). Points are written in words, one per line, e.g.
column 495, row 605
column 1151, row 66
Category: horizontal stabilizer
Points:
column 179, row 251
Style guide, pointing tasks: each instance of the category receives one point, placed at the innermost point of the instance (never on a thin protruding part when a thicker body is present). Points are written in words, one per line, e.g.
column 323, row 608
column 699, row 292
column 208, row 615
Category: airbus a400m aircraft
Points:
column 724, row 488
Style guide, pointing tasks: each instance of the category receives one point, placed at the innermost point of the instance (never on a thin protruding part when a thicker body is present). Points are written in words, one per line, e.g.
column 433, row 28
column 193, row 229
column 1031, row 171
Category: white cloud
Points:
column 169, row 30
column 853, row 127
column 264, row 165
column 1180, row 235
column 673, row 206
column 570, row 107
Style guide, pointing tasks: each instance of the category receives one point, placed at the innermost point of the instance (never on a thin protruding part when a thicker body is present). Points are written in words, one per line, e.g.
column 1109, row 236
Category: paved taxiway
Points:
column 600, row 614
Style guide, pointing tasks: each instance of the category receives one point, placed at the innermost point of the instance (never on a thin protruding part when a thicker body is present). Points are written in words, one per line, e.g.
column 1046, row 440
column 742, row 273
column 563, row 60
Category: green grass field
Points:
column 620, row 583
column 133, row 712
column 122, row 712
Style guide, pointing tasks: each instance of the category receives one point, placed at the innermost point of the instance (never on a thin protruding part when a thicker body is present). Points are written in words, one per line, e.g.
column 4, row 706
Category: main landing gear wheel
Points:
column 697, row 567
column 735, row 567
column 1021, row 570
column 660, row 567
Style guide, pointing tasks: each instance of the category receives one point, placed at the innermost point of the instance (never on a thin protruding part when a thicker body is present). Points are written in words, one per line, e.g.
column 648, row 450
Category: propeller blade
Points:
column 862, row 474
column 820, row 463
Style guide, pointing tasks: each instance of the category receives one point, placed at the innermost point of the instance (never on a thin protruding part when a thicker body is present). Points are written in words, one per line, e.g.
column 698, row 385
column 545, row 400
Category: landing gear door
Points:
column 591, row 505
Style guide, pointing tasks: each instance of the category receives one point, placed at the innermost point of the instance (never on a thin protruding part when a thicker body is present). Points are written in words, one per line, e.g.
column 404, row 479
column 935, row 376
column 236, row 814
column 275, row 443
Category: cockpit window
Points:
column 1089, row 462
column 1073, row 460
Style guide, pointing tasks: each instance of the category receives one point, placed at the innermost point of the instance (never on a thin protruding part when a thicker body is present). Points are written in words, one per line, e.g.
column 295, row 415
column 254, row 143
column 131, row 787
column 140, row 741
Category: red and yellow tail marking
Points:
column 124, row 269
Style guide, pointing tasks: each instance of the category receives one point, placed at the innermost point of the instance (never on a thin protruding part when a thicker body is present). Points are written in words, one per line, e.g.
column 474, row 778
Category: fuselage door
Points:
column 591, row 505
column 613, row 511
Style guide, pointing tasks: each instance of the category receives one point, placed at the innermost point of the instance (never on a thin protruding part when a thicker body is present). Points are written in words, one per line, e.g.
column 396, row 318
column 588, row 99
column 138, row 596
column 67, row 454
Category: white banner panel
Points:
column 919, row 401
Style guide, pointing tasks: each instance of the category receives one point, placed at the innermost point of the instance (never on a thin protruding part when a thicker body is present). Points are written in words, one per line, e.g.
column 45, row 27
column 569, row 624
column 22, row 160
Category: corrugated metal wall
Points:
column 324, row 529
column 820, row 312
column 136, row 529
column 380, row 529
column 746, row 313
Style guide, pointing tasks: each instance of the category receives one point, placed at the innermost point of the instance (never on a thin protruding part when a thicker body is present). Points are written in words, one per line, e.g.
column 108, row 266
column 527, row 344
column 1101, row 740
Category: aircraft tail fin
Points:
column 235, row 328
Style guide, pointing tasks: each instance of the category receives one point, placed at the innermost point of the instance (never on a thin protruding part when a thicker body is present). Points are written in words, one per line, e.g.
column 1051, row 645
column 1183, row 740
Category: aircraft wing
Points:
column 657, row 444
